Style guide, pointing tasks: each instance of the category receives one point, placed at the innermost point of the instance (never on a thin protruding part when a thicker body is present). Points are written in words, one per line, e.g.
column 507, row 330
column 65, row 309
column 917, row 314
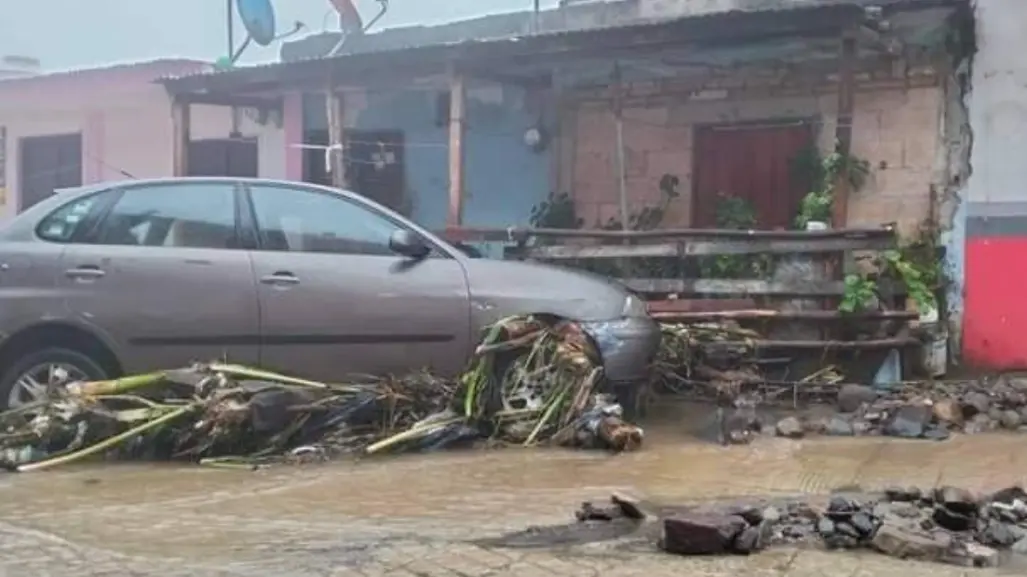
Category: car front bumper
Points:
column 627, row 347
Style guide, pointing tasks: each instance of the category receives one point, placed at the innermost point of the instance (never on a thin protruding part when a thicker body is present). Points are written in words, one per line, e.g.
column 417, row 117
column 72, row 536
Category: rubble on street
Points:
column 236, row 416
column 931, row 411
column 717, row 362
column 945, row 525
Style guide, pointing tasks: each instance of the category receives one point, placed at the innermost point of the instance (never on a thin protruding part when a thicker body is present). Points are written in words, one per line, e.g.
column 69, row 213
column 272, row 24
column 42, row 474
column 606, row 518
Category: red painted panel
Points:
column 995, row 303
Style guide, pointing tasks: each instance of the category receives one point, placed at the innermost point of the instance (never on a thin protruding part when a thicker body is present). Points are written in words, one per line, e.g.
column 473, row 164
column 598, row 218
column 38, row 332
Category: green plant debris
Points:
column 234, row 416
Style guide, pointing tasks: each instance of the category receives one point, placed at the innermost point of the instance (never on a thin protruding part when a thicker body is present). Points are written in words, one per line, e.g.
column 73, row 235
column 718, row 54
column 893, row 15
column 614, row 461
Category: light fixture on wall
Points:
column 536, row 138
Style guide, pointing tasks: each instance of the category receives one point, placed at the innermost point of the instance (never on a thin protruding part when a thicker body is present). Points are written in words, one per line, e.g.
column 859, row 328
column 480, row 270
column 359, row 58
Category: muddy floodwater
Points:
column 424, row 515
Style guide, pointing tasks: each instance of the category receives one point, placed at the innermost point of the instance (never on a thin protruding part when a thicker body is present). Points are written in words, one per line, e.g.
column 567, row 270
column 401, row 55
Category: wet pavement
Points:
column 422, row 515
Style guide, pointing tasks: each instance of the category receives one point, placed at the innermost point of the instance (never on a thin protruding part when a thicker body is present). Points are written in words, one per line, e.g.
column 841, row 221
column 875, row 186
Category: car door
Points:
column 162, row 274
column 335, row 301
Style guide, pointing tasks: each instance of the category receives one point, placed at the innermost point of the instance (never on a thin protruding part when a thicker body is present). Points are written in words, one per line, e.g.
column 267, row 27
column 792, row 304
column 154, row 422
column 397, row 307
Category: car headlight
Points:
column 634, row 307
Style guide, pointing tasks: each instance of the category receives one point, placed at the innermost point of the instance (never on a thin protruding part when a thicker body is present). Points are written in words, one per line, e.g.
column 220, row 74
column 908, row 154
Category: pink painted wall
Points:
column 125, row 122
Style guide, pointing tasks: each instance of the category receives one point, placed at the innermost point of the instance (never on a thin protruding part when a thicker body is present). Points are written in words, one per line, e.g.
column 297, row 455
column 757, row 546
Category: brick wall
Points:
column 896, row 128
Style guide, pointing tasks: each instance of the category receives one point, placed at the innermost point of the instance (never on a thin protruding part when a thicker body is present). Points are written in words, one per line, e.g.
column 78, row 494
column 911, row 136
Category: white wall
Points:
column 66, row 34
column 998, row 108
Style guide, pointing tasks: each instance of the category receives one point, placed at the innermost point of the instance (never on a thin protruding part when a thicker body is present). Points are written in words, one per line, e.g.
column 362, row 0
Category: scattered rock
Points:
column 908, row 422
column 997, row 534
column 976, row 404
column 908, row 494
column 936, row 433
column 701, row 534
column 790, row 427
column 864, row 524
column 1011, row 420
column 946, row 518
column 771, row 514
column 1009, row 496
column 852, row 397
column 948, row 412
column 846, row 529
column 753, row 538
column 1020, row 547
column 947, row 524
column 979, row 423
column 838, row 427
column 906, row 510
column 957, row 499
column 629, row 506
column 979, row 555
column 589, row 512
column 995, row 414
column 907, row 543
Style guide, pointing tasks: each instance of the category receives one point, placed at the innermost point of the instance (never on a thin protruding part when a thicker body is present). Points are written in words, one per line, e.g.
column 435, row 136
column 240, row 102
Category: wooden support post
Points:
column 843, row 126
column 457, row 129
column 181, row 120
column 335, row 110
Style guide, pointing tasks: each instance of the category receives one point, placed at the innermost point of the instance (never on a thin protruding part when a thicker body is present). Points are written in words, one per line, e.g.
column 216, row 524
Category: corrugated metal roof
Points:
column 162, row 67
column 456, row 39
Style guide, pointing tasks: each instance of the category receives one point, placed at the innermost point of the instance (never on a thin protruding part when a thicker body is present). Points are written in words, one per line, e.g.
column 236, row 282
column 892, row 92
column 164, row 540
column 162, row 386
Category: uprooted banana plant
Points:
column 530, row 380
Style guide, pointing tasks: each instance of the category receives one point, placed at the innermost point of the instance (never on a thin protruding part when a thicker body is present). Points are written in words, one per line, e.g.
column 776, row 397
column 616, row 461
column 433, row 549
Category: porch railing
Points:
column 770, row 300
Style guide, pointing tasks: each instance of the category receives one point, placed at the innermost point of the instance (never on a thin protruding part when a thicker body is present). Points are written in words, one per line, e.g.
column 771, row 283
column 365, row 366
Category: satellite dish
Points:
column 349, row 18
column 258, row 17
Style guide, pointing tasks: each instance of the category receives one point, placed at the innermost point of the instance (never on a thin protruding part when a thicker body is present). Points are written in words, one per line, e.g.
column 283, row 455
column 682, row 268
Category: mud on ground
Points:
column 427, row 515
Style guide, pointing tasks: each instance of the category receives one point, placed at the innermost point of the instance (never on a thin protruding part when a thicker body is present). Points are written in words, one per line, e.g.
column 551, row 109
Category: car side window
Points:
column 188, row 215
column 62, row 224
column 296, row 220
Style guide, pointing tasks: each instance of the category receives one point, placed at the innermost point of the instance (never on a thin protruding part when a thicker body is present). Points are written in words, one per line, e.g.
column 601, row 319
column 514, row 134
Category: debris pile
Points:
column 946, row 525
column 529, row 382
column 710, row 359
column 920, row 411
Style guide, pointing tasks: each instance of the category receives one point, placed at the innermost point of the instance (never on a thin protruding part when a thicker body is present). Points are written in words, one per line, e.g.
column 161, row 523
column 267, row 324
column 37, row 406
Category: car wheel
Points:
column 27, row 378
column 517, row 389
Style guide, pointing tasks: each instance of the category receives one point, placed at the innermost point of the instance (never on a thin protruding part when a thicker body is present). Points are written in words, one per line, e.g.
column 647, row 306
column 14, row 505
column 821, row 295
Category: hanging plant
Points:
column 819, row 175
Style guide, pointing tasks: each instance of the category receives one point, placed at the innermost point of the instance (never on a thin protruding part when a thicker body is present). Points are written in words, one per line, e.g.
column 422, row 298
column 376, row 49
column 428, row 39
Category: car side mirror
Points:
column 408, row 244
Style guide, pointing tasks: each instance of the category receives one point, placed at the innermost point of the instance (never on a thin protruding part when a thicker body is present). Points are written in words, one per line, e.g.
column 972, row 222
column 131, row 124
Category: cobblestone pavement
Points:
column 417, row 516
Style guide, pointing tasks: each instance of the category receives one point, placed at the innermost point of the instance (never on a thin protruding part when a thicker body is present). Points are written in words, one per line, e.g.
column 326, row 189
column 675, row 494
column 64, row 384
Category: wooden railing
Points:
column 765, row 297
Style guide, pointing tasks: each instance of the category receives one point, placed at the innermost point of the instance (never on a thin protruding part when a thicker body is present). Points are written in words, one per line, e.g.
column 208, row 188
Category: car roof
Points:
column 182, row 179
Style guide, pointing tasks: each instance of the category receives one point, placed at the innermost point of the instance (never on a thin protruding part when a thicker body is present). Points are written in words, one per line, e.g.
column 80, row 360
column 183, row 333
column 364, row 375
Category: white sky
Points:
column 82, row 33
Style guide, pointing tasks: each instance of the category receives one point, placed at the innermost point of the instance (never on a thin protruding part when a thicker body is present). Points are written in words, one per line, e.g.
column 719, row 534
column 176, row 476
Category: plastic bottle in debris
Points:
column 935, row 349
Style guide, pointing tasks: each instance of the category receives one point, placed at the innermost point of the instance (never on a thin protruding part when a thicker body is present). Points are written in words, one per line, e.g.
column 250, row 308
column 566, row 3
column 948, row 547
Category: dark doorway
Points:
column 236, row 157
column 314, row 169
column 751, row 162
column 375, row 165
column 47, row 163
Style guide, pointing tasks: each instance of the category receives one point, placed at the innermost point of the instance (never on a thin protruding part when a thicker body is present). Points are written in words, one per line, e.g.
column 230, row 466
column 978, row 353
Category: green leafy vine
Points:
column 734, row 213
column 819, row 174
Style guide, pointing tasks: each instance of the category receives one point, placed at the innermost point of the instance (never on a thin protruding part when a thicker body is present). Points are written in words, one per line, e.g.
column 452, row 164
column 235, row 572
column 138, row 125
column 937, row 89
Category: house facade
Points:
column 992, row 219
column 476, row 123
column 73, row 128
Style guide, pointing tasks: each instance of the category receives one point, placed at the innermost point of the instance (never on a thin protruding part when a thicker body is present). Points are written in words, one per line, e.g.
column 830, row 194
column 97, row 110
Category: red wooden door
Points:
column 753, row 163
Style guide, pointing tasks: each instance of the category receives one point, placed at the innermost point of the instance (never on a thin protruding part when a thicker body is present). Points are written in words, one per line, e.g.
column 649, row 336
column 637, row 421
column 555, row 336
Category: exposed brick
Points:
column 894, row 126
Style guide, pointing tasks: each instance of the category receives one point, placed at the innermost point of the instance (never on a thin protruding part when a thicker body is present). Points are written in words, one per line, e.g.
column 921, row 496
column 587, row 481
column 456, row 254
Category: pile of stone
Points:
column 945, row 525
column 919, row 412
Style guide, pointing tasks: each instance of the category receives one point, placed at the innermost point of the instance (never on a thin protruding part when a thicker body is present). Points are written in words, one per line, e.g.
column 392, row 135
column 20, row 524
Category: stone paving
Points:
column 416, row 516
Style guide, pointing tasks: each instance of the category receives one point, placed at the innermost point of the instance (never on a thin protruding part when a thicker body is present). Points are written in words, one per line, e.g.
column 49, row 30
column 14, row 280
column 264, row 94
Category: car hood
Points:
column 504, row 288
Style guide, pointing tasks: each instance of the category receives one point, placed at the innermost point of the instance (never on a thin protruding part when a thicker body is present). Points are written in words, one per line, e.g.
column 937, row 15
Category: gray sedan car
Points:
column 133, row 276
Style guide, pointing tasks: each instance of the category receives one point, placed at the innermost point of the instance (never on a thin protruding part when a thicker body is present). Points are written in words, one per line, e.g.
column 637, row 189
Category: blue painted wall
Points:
column 504, row 178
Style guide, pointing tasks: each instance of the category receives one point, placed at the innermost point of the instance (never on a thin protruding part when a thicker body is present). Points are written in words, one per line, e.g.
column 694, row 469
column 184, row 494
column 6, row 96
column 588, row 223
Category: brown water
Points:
column 369, row 512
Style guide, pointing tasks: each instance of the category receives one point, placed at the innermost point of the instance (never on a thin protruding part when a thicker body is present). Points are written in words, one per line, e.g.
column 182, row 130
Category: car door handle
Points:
column 280, row 278
column 85, row 272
